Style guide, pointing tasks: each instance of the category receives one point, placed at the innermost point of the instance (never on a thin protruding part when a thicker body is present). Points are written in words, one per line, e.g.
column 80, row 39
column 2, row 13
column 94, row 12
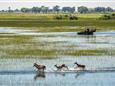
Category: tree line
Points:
column 43, row 9
column 83, row 9
column 58, row 9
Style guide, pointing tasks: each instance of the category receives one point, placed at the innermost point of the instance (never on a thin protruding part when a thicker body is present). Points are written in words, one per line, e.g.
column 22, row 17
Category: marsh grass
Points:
column 96, row 52
column 23, row 46
column 14, row 39
column 26, row 47
column 28, row 53
column 34, row 52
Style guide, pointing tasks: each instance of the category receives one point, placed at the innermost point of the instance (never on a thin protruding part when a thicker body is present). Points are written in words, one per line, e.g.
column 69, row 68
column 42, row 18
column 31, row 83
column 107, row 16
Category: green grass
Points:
column 47, row 20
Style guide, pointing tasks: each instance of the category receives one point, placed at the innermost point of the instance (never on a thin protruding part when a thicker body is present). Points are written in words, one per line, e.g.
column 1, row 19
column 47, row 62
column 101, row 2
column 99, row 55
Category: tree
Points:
column 65, row 9
column 36, row 10
column 44, row 9
column 16, row 10
column 109, row 9
column 25, row 10
column 82, row 9
column 91, row 10
column 56, row 9
column 9, row 9
column 100, row 9
column 50, row 10
column 72, row 9
column 68, row 9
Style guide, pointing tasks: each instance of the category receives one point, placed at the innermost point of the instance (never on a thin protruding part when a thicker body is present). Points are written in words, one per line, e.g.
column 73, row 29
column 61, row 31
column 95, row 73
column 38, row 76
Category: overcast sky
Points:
column 4, row 4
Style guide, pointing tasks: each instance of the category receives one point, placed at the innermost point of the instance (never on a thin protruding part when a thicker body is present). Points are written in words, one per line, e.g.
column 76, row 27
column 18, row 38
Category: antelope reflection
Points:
column 42, row 75
column 39, row 75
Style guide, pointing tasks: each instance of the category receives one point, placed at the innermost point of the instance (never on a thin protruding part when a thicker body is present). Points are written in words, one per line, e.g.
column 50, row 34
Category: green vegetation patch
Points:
column 66, row 17
column 91, row 52
column 108, row 17
column 6, row 40
column 28, row 53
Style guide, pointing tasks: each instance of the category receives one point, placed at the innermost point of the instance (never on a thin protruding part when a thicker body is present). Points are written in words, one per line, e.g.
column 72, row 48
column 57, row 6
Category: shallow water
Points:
column 15, row 72
column 59, row 80
column 20, row 71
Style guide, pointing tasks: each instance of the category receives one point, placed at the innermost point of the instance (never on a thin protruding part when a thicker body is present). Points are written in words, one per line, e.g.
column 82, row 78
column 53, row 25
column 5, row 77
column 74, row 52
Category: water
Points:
column 20, row 71
column 59, row 80
column 24, row 74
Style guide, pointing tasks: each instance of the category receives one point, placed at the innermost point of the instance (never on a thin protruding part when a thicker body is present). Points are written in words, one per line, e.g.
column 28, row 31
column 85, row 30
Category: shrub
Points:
column 106, row 17
column 59, row 17
column 66, row 16
column 62, row 17
column 113, row 14
column 73, row 18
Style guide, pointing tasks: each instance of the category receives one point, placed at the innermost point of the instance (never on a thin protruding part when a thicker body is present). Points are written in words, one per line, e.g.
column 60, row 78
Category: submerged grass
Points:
column 39, row 53
column 34, row 52
column 96, row 52
column 7, row 40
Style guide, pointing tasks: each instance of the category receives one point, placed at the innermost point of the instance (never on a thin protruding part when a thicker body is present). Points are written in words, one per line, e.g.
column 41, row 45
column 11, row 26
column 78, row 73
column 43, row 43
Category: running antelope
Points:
column 60, row 67
column 40, row 67
column 80, row 66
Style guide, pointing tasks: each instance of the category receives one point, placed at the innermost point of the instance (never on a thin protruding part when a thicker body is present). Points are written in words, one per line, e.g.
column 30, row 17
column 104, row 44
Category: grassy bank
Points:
column 47, row 20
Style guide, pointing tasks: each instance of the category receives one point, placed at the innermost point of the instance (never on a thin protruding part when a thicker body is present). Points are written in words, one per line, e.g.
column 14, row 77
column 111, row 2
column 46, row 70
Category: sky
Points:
column 14, row 4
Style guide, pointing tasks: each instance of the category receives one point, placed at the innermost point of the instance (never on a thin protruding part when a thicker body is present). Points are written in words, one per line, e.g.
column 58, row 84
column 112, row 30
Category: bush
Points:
column 113, row 14
column 59, row 17
column 62, row 17
column 105, row 17
column 66, row 16
column 73, row 18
